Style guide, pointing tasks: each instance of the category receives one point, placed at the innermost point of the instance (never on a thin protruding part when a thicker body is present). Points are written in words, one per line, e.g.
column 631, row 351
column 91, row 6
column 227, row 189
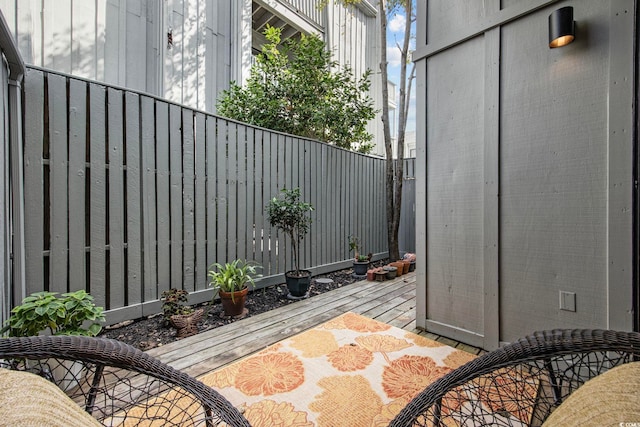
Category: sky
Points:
column 395, row 34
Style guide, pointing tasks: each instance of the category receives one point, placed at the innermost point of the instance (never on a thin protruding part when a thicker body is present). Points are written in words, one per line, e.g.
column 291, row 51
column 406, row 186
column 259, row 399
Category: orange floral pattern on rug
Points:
column 314, row 343
column 389, row 412
column 349, row 400
column 382, row 343
column 269, row 373
column 422, row 341
column 350, row 358
column 506, row 390
column 356, row 323
column 350, row 371
column 268, row 413
column 458, row 358
column 408, row 375
column 362, row 324
column 223, row 377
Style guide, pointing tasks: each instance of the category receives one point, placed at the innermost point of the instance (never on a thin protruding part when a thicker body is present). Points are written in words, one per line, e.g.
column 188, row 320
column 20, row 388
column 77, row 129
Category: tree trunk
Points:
column 392, row 238
column 403, row 105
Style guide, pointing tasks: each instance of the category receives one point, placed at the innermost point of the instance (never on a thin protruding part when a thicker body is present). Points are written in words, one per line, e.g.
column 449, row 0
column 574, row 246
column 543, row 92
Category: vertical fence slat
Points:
column 149, row 259
column 284, row 257
column 259, row 199
column 133, row 207
column 175, row 194
column 98, row 193
column 267, row 173
column 241, row 193
column 77, row 183
column 212, row 230
column 163, row 187
column 305, row 171
column 200, row 203
column 232, row 192
column 58, row 259
column 250, row 180
column 188, row 189
column 34, row 180
column 221, row 192
column 116, row 200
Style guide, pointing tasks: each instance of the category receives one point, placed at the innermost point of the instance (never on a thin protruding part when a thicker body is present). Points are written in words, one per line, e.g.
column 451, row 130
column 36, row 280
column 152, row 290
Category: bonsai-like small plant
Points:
column 174, row 301
column 290, row 214
column 233, row 276
column 61, row 315
column 354, row 245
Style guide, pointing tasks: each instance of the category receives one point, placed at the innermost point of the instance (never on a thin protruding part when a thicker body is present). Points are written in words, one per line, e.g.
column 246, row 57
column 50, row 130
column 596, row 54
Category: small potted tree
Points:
column 72, row 313
column 231, row 281
column 360, row 262
column 291, row 215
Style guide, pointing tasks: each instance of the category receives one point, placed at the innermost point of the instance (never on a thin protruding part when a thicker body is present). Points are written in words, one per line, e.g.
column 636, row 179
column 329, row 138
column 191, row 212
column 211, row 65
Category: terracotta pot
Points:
column 233, row 306
column 399, row 266
column 405, row 267
column 370, row 275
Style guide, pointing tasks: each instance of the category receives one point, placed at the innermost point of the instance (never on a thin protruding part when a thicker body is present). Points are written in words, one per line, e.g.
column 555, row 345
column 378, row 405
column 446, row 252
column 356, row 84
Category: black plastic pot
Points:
column 360, row 268
column 298, row 286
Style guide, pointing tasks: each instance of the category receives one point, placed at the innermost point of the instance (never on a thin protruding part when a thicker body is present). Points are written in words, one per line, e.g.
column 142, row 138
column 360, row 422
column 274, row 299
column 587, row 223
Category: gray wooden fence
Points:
column 127, row 195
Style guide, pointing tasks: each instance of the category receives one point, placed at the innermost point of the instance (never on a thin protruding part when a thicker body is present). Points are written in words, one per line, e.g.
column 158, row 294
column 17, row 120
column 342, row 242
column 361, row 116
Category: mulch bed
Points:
column 151, row 331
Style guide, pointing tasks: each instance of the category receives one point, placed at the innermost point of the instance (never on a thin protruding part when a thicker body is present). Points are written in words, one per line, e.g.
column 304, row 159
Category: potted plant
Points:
column 72, row 313
column 360, row 262
column 231, row 281
column 60, row 315
column 291, row 215
column 180, row 315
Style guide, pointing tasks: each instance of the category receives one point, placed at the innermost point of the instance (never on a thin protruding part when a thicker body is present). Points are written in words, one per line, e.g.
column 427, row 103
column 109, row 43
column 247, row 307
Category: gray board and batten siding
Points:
column 128, row 195
column 524, row 168
column 12, row 268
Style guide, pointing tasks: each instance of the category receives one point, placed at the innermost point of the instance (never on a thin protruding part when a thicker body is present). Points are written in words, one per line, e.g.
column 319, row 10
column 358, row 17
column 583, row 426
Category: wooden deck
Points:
column 392, row 302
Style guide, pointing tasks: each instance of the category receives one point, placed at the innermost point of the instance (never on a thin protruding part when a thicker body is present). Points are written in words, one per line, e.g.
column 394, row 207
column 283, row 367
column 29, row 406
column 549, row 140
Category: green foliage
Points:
column 290, row 215
column 233, row 276
column 354, row 244
column 174, row 301
column 63, row 315
column 295, row 91
column 362, row 258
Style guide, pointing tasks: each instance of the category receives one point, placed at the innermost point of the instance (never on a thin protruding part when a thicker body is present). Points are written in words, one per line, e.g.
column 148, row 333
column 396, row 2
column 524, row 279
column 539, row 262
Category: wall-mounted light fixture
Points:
column 561, row 27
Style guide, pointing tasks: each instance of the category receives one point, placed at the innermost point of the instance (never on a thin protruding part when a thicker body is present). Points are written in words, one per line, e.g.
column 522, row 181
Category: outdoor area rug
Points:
column 350, row 371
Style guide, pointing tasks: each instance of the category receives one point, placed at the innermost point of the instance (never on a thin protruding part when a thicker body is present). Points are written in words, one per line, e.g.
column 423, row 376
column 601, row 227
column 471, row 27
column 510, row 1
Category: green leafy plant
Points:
column 290, row 215
column 354, row 245
column 233, row 276
column 61, row 315
column 362, row 258
column 174, row 301
column 298, row 89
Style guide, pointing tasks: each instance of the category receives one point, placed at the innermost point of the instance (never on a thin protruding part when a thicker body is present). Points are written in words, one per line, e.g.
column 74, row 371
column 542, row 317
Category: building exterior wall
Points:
column 525, row 160
column 186, row 51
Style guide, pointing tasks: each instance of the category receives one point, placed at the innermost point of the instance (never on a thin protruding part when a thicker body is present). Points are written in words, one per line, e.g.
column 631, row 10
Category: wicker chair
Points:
column 119, row 384
column 521, row 383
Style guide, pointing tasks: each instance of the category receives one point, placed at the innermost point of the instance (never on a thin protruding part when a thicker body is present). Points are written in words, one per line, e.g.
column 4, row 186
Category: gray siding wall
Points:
column 128, row 195
column 12, row 280
column 528, row 153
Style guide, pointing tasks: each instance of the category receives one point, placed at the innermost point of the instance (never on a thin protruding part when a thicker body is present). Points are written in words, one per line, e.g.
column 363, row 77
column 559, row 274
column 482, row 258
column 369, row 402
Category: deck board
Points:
column 391, row 302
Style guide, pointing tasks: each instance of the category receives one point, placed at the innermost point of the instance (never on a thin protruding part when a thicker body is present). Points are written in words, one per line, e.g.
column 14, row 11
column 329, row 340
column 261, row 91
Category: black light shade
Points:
column 561, row 27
